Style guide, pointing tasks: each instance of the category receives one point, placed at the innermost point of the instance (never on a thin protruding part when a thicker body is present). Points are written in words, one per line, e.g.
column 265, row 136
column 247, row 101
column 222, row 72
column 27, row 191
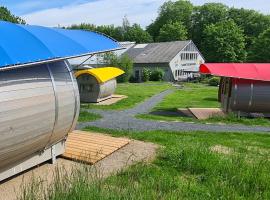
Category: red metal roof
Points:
column 250, row 71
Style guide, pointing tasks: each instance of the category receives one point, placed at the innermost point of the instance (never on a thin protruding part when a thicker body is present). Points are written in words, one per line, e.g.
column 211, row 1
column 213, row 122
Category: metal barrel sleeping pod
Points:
column 97, row 84
column 244, row 87
column 39, row 107
column 39, row 97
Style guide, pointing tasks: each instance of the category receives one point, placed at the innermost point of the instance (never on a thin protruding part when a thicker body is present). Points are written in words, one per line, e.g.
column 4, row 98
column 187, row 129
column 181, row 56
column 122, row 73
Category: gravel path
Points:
column 125, row 120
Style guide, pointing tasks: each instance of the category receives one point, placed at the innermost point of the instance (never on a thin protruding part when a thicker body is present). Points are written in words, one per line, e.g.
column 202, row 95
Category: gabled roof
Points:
column 249, row 71
column 162, row 52
column 103, row 74
column 24, row 44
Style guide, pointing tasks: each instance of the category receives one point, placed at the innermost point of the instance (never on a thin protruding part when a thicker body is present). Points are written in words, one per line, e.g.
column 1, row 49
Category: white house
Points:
column 180, row 60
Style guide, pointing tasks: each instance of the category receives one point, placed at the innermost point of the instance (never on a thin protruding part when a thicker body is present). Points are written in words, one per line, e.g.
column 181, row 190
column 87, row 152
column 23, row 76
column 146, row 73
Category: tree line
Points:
column 222, row 34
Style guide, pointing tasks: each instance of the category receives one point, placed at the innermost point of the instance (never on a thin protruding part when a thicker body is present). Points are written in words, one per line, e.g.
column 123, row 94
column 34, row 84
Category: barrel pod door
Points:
column 89, row 88
column 38, row 107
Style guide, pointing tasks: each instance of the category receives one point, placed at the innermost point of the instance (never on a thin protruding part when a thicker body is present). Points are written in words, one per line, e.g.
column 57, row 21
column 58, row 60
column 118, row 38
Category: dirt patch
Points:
column 221, row 149
column 135, row 151
column 258, row 150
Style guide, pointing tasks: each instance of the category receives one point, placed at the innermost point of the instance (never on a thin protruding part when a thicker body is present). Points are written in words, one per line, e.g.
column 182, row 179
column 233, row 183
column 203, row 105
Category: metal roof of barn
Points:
column 249, row 71
column 26, row 45
column 162, row 52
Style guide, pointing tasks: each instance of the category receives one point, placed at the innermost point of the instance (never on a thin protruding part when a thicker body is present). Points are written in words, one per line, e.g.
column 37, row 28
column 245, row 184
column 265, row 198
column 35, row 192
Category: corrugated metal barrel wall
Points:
column 107, row 89
column 39, row 105
column 250, row 96
column 91, row 91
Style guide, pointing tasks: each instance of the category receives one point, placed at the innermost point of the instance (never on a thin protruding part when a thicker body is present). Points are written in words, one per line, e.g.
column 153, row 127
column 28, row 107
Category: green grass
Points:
column 198, row 96
column 136, row 92
column 230, row 119
column 193, row 95
column 88, row 117
column 189, row 165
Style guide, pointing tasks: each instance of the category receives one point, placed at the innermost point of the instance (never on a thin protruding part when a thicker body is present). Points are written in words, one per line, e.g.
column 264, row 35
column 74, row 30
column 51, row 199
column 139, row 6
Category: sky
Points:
column 67, row 12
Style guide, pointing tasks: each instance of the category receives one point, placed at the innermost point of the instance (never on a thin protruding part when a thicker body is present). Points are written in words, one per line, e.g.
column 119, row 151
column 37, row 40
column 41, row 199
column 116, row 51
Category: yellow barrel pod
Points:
column 97, row 84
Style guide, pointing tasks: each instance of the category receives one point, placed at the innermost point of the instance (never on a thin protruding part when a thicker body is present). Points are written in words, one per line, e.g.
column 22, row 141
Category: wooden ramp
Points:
column 90, row 147
column 114, row 99
column 205, row 113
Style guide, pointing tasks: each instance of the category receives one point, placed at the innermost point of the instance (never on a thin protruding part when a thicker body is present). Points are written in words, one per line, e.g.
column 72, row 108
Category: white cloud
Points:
column 98, row 12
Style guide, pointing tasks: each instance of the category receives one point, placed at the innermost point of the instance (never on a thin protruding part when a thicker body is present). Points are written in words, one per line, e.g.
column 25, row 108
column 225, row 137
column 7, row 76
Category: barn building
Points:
column 180, row 60
column 244, row 88
column 97, row 84
column 39, row 97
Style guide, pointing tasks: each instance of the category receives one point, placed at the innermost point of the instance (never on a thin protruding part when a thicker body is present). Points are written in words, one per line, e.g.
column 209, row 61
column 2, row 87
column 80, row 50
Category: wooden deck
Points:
column 205, row 113
column 90, row 147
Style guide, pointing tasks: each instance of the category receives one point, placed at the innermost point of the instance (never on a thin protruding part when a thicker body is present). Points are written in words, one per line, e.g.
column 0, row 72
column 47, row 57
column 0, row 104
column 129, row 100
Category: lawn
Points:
column 191, row 96
column 136, row 92
column 197, row 96
column 189, row 165
column 88, row 117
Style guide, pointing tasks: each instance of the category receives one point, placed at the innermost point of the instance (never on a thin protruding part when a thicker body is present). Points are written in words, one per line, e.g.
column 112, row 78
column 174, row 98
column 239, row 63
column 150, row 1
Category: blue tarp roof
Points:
column 24, row 44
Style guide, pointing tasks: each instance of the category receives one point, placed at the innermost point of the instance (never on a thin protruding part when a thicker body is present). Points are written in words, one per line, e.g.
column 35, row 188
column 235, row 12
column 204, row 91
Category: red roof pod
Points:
column 249, row 71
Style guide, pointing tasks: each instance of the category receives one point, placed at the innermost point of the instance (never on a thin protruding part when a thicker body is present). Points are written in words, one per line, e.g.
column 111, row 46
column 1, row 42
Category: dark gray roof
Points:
column 162, row 52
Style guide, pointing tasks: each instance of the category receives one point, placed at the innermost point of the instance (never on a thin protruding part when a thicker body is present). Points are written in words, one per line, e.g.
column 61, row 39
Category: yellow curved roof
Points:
column 103, row 74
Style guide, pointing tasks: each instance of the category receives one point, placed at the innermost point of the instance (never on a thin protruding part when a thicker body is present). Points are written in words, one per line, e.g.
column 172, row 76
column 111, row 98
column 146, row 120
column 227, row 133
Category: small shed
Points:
column 97, row 84
column 244, row 87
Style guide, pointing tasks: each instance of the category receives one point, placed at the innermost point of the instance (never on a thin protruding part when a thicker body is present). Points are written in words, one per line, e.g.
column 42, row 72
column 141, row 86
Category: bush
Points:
column 157, row 75
column 214, row 81
column 124, row 63
column 146, row 73
column 133, row 79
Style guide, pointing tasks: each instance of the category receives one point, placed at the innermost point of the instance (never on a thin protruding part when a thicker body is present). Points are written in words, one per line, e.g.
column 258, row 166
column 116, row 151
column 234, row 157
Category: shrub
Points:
column 204, row 78
column 157, row 75
column 214, row 81
column 133, row 79
column 124, row 63
column 146, row 73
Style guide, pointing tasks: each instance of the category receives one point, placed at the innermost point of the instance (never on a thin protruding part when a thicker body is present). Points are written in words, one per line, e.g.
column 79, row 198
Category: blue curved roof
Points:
column 25, row 44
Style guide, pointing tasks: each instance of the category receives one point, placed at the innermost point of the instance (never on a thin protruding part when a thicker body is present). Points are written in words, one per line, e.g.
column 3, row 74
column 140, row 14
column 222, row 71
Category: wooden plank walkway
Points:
column 88, row 147
column 205, row 113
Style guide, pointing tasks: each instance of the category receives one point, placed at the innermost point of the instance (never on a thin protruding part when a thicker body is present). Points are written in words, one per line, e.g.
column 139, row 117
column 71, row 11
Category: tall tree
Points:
column 252, row 22
column 6, row 15
column 137, row 34
column 205, row 15
column 224, row 42
column 172, row 32
column 260, row 50
column 110, row 30
column 126, row 32
column 179, row 11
